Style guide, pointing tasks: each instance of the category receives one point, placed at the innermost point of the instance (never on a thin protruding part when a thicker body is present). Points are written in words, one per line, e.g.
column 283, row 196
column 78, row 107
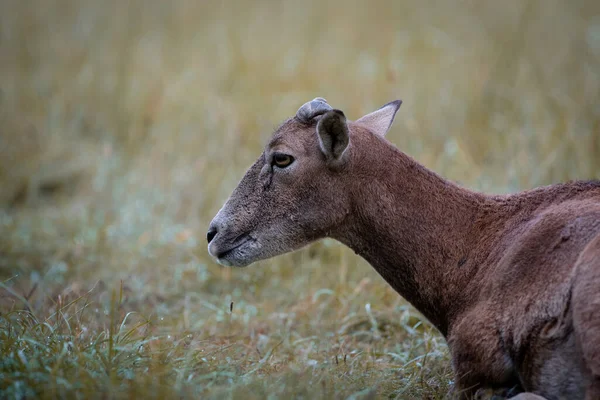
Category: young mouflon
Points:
column 511, row 281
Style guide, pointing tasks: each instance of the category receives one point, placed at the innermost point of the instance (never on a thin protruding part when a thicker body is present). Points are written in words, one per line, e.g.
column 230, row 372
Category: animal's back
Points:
column 532, row 285
column 586, row 313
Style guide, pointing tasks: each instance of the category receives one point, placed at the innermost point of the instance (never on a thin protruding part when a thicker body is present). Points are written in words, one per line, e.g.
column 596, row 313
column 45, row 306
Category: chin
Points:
column 234, row 262
column 247, row 254
column 238, row 258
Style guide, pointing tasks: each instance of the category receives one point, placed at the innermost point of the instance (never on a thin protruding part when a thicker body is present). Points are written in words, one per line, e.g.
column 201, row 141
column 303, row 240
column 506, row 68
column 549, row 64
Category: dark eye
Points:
column 282, row 160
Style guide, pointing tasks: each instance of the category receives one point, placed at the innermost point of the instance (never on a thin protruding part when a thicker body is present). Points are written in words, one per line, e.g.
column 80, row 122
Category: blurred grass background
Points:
column 124, row 126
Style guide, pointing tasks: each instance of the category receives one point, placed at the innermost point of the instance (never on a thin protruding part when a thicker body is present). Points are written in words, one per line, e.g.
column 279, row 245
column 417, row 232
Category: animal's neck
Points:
column 417, row 230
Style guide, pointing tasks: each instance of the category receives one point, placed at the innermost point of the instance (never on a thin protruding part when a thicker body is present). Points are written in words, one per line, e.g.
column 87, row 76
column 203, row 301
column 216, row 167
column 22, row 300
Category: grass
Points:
column 124, row 125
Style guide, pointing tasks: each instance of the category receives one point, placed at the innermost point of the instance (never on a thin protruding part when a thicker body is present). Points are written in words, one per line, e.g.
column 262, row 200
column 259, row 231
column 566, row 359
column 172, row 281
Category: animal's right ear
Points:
column 380, row 121
column 332, row 131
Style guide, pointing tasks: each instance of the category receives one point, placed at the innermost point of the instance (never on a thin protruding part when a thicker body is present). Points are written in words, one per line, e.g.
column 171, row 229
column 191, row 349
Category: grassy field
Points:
column 124, row 126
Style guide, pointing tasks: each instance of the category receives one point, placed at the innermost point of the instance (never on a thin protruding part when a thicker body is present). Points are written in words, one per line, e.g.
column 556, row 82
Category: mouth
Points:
column 224, row 254
column 228, row 257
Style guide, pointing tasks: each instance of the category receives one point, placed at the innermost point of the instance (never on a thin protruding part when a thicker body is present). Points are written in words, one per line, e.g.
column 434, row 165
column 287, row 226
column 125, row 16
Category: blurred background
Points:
column 124, row 126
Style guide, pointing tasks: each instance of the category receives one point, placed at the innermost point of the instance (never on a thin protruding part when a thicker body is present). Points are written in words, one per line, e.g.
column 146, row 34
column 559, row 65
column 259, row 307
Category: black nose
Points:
column 210, row 235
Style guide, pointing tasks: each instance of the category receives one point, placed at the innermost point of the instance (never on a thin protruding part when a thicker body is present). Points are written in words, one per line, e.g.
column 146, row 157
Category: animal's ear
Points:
column 332, row 131
column 380, row 121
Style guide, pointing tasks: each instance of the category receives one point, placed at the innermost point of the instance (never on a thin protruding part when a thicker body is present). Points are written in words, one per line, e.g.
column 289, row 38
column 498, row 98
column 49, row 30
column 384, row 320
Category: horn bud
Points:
column 308, row 111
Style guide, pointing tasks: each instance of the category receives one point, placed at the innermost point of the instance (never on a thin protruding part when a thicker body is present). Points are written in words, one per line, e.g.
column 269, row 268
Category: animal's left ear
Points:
column 332, row 131
column 380, row 121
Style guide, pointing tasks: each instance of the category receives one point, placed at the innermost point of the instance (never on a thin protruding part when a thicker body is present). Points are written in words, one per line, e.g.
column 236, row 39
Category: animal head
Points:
column 298, row 190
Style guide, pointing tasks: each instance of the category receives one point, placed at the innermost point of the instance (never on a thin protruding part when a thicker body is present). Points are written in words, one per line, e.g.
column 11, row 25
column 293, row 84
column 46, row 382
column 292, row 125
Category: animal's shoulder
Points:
column 558, row 226
column 544, row 249
column 547, row 231
column 553, row 212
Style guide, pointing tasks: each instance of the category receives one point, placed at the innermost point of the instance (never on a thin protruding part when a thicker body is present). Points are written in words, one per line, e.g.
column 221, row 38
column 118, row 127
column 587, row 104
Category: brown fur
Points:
column 512, row 282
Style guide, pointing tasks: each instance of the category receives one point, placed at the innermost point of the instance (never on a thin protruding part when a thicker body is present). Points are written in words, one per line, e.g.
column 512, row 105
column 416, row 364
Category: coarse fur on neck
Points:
column 418, row 233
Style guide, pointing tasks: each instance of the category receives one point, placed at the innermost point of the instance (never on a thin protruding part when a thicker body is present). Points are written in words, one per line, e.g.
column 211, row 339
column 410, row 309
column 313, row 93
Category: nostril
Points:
column 210, row 235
